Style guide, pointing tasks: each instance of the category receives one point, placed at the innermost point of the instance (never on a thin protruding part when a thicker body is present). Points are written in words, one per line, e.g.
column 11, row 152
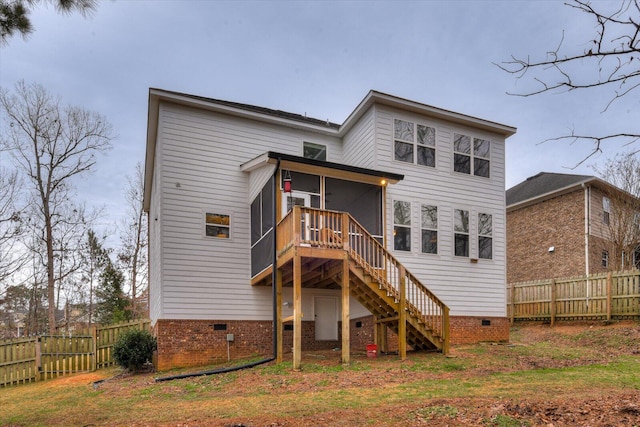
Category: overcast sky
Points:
column 319, row 58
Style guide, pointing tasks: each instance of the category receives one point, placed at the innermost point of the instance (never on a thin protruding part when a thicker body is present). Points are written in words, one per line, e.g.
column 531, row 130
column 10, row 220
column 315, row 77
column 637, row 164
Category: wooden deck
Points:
column 330, row 250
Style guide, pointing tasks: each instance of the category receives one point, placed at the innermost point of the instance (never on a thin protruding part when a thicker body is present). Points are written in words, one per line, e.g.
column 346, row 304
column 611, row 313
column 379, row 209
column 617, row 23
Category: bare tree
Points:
column 11, row 225
column 51, row 145
column 610, row 59
column 14, row 14
column 623, row 224
column 134, row 241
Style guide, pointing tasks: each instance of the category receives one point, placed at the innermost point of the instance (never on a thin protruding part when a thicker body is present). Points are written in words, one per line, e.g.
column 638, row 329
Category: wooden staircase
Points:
column 377, row 280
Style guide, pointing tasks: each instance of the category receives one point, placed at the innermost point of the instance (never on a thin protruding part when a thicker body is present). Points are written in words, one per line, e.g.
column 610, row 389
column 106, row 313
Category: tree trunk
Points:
column 51, row 282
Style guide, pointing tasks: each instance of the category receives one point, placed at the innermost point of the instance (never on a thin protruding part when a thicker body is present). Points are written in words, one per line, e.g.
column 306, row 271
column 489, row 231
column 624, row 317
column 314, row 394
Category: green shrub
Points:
column 133, row 349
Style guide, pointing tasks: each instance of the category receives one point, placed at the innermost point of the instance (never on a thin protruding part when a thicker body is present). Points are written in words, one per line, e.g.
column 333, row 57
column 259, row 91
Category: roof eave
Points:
column 375, row 97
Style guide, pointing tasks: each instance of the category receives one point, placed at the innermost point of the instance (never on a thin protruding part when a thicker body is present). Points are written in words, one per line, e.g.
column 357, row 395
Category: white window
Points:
column 471, row 158
column 461, row 232
column 314, row 151
column 217, row 225
column 429, row 228
column 414, row 143
column 401, row 225
column 485, row 233
column 606, row 210
column 605, row 259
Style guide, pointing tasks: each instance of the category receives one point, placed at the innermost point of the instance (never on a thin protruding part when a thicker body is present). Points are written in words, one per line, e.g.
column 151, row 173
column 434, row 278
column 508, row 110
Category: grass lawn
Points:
column 587, row 374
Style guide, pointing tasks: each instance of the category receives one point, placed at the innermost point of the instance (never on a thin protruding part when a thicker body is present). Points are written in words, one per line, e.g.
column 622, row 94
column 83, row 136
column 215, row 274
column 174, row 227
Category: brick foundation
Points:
column 184, row 343
column 470, row 330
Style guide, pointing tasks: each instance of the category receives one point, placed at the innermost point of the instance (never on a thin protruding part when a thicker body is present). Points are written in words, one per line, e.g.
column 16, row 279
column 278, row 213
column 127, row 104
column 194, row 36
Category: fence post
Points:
column 513, row 302
column 94, row 340
column 609, row 296
column 553, row 302
column 38, row 359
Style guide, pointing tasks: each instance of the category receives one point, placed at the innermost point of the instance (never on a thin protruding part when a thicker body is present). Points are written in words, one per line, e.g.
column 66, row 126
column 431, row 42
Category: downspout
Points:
column 587, row 217
column 275, row 312
column 274, row 264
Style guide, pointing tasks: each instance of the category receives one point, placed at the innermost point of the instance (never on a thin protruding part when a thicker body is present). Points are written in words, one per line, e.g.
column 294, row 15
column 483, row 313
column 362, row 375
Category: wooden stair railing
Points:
column 427, row 314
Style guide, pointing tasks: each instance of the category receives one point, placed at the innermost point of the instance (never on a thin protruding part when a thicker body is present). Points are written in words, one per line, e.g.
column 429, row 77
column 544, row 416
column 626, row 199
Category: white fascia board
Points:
column 374, row 97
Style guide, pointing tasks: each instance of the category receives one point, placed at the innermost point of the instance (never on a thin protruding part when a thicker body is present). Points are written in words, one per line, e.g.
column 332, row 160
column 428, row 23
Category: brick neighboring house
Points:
column 557, row 226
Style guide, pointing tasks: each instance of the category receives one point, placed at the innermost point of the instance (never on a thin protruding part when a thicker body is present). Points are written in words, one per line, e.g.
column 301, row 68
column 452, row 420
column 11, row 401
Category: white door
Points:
column 295, row 198
column 326, row 317
column 289, row 200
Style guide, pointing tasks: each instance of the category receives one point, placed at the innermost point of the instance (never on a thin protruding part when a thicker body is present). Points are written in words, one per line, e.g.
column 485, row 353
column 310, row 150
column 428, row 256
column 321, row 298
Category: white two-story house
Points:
column 272, row 230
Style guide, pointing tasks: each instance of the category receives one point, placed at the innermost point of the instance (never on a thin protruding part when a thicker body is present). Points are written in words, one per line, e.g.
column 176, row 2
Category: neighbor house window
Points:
column 606, row 210
column 414, row 143
column 461, row 232
column 314, row 151
column 429, row 227
column 485, row 233
column 471, row 158
column 217, row 225
column 401, row 226
column 605, row 259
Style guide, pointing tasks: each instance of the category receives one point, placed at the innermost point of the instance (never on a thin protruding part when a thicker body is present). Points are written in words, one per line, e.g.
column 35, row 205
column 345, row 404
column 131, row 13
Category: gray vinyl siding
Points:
column 476, row 289
column 358, row 142
column 208, row 277
column 155, row 243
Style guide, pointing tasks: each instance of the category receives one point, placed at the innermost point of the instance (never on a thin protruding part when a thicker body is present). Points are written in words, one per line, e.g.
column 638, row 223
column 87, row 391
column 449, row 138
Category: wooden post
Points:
column 38, row 358
column 345, row 231
column 609, row 296
column 278, row 325
column 297, row 311
column 94, row 339
column 445, row 331
column 402, row 314
column 513, row 302
column 381, row 337
column 553, row 302
column 346, row 317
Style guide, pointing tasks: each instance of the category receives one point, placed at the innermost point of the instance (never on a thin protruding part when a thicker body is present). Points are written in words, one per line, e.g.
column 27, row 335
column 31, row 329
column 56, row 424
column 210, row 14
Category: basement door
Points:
column 326, row 318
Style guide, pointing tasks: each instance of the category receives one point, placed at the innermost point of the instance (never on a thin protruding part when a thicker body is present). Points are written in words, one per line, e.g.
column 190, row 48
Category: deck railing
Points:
column 321, row 228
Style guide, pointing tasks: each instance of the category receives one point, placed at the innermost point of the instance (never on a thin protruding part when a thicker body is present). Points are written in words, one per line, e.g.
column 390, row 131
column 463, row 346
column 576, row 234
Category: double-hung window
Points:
column 471, row 155
column 461, row 232
column 401, row 225
column 485, row 236
column 606, row 210
column 429, row 228
column 414, row 143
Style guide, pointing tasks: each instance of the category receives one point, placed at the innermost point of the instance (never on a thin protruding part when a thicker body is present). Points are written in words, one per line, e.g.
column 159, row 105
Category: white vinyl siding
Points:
column 473, row 289
column 197, row 168
column 359, row 141
column 206, row 278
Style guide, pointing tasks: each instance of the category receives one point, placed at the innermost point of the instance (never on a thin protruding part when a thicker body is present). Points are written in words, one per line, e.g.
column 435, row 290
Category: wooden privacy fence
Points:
column 49, row 356
column 603, row 296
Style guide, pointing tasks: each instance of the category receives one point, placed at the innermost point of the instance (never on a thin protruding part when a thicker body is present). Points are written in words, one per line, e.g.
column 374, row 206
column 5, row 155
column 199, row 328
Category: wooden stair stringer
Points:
column 384, row 302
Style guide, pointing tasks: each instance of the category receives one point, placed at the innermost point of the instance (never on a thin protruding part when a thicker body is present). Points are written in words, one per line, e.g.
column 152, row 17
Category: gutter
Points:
column 275, row 307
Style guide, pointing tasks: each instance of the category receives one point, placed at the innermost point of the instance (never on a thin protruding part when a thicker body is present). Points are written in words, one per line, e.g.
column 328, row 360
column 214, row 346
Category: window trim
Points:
column 216, row 211
column 415, row 143
column 316, row 144
column 436, row 229
column 468, row 233
column 605, row 259
column 486, row 236
column 394, row 224
column 606, row 210
column 472, row 156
